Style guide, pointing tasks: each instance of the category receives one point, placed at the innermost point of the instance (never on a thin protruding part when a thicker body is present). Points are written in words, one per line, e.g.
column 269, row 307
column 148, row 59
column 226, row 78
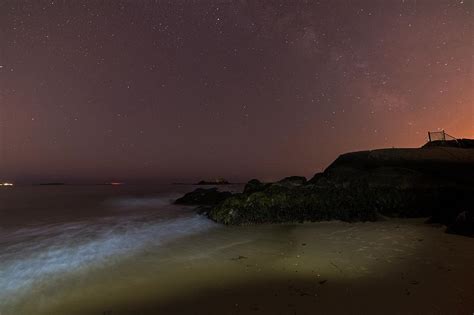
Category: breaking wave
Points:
column 33, row 254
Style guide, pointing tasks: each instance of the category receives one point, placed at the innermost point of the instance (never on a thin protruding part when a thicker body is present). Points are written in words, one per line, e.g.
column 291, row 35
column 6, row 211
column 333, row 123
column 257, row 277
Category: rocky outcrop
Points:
column 254, row 185
column 277, row 204
column 457, row 143
column 401, row 168
column 203, row 197
column 429, row 181
column 292, row 181
column 436, row 182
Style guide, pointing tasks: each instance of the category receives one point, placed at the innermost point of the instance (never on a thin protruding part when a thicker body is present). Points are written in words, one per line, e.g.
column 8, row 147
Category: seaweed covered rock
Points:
column 316, row 179
column 359, row 186
column 292, row 181
column 278, row 204
column 254, row 185
column 201, row 196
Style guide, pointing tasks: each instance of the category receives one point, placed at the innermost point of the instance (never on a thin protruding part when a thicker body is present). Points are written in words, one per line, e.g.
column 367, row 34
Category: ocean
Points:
column 49, row 231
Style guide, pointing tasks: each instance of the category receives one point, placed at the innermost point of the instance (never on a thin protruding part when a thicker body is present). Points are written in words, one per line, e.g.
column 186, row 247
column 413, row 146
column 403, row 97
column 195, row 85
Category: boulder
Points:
column 204, row 197
column 292, row 181
column 254, row 185
column 278, row 204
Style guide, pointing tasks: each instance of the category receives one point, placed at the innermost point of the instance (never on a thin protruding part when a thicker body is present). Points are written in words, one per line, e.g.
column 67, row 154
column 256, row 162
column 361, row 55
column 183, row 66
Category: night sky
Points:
column 185, row 90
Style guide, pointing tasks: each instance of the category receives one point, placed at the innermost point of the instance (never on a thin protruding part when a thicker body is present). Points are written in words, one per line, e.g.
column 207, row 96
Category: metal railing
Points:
column 439, row 136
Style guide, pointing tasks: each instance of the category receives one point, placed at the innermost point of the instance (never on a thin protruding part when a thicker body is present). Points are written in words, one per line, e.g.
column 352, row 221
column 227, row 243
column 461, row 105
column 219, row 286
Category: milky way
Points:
column 183, row 90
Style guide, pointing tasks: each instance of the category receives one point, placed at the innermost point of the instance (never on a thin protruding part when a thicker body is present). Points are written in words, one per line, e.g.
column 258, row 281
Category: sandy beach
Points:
column 389, row 267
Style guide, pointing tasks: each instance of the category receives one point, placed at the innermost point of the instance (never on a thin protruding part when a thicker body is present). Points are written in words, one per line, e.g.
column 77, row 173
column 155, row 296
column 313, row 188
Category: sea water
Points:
column 49, row 231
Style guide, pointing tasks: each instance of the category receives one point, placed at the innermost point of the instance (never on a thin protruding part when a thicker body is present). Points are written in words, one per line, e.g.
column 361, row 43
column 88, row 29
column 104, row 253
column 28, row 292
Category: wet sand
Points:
column 390, row 267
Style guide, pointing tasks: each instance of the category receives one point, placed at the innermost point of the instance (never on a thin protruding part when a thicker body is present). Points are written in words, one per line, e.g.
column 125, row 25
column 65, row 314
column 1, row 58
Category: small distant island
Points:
column 435, row 181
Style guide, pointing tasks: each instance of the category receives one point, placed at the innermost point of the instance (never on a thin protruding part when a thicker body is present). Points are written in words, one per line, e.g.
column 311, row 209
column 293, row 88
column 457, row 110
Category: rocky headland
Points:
column 435, row 181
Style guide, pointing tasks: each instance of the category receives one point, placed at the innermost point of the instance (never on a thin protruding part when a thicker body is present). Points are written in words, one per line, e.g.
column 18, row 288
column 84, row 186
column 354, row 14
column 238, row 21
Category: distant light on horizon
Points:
column 116, row 183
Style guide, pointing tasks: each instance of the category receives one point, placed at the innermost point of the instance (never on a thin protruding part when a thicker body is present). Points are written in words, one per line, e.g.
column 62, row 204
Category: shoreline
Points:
column 327, row 267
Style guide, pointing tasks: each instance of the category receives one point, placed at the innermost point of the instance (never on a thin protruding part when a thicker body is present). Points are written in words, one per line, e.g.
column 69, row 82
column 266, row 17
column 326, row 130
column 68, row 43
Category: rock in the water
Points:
column 254, row 185
column 201, row 196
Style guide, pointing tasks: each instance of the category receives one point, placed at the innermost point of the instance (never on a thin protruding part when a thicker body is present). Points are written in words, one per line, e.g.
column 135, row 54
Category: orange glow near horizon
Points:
column 276, row 88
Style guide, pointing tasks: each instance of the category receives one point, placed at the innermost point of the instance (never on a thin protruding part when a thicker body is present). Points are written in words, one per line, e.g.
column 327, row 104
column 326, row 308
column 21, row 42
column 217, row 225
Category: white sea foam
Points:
column 38, row 253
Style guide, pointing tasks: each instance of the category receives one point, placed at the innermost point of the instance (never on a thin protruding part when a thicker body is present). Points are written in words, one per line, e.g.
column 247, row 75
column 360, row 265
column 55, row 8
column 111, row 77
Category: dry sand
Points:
column 390, row 267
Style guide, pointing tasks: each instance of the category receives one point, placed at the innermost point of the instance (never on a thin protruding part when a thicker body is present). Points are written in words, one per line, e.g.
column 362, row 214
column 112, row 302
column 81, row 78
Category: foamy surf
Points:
column 39, row 254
